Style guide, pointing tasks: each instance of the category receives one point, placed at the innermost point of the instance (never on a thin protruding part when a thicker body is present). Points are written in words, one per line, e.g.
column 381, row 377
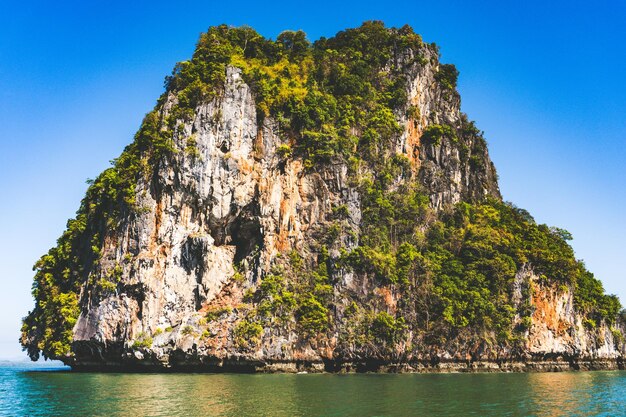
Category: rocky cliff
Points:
column 294, row 206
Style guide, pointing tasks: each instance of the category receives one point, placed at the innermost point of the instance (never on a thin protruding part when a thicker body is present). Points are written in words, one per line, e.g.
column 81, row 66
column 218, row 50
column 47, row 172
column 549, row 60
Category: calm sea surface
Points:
column 28, row 391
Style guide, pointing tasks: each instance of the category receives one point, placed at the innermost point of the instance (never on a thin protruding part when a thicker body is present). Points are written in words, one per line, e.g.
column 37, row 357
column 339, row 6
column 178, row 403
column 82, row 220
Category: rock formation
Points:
column 245, row 229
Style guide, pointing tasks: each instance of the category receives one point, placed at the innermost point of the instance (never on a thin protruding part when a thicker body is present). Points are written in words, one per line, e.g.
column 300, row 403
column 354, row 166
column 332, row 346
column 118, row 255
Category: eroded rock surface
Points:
column 226, row 208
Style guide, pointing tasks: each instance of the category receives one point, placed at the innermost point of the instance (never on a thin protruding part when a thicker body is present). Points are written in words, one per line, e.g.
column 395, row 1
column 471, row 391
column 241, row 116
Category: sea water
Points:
column 27, row 390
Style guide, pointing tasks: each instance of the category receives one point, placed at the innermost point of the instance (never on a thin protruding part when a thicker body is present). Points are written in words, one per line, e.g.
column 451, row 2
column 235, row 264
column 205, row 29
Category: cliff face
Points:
column 237, row 252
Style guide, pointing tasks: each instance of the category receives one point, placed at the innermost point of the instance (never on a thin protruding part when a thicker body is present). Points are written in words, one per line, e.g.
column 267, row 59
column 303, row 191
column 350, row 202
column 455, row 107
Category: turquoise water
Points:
column 50, row 392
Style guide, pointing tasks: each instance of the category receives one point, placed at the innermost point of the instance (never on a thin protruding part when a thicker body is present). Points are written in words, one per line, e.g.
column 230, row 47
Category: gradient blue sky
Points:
column 544, row 80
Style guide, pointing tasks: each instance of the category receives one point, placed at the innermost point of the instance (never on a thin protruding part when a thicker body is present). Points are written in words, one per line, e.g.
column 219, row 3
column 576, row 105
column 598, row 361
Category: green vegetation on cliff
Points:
column 336, row 97
column 336, row 100
column 462, row 264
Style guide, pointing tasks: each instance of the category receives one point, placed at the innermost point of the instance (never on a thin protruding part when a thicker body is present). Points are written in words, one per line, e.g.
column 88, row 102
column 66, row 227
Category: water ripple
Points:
column 36, row 393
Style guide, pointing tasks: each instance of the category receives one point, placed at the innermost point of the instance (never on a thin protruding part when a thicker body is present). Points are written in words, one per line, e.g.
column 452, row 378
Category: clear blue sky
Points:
column 544, row 80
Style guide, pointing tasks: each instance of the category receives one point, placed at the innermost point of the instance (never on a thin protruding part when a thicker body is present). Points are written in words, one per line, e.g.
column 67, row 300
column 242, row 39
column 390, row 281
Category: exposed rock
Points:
column 214, row 222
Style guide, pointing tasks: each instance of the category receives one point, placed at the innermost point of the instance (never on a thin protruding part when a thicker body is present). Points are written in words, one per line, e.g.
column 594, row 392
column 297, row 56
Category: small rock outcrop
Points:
column 291, row 206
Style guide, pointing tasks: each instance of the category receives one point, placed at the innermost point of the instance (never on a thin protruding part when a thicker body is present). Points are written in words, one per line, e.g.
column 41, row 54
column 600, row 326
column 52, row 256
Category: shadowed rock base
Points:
column 246, row 366
column 118, row 359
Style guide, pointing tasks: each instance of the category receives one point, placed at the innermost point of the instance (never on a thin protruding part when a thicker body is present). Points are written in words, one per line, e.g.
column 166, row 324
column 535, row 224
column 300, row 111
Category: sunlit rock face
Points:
column 228, row 211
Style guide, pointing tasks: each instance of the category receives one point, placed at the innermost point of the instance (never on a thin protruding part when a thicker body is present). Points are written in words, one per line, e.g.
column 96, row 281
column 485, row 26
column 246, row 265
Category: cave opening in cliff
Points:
column 247, row 239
